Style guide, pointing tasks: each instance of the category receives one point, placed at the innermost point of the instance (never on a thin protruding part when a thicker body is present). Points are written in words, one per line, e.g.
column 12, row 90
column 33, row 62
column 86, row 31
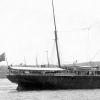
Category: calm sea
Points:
column 8, row 92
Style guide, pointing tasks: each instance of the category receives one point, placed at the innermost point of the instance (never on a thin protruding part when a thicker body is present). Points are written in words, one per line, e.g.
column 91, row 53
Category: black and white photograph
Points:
column 49, row 50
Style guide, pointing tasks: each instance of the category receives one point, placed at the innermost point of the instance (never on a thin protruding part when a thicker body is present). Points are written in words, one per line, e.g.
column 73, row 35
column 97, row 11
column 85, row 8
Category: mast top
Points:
column 54, row 16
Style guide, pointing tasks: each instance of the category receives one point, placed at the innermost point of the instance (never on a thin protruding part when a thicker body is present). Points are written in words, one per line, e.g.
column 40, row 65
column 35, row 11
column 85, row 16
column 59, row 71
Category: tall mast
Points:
column 47, row 58
column 25, row 61
column 36, row 62
column 56, row 35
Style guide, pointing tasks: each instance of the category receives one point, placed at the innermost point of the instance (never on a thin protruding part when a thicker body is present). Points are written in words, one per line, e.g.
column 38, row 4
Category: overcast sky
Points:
column 27, row 30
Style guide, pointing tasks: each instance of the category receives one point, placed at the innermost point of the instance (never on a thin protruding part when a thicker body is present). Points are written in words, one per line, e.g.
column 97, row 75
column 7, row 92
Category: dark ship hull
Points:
column 55, row 82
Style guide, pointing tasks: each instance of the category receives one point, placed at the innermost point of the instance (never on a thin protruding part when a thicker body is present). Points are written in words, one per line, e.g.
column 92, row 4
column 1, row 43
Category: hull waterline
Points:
column 55, row 82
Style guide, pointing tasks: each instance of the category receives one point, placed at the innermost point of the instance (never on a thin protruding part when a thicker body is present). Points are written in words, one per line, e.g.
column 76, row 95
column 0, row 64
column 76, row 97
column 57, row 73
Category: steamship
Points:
column 59, row 77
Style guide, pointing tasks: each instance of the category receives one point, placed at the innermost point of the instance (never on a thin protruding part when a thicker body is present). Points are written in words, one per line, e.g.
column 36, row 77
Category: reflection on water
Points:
column 8, row 92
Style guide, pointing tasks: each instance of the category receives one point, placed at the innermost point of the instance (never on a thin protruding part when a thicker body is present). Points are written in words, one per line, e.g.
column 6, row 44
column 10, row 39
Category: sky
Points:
column 27, row 30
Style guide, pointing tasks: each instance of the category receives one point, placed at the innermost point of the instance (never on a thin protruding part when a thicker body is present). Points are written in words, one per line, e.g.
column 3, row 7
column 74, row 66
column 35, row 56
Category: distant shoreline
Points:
column 3, row 72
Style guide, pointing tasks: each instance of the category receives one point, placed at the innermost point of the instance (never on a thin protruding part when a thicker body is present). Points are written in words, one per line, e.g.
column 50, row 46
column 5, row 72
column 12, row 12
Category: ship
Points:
column 55, row 77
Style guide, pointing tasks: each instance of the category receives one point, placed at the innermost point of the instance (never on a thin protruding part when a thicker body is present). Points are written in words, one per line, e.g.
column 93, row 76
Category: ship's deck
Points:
column 38, row 71
column 37, row 68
